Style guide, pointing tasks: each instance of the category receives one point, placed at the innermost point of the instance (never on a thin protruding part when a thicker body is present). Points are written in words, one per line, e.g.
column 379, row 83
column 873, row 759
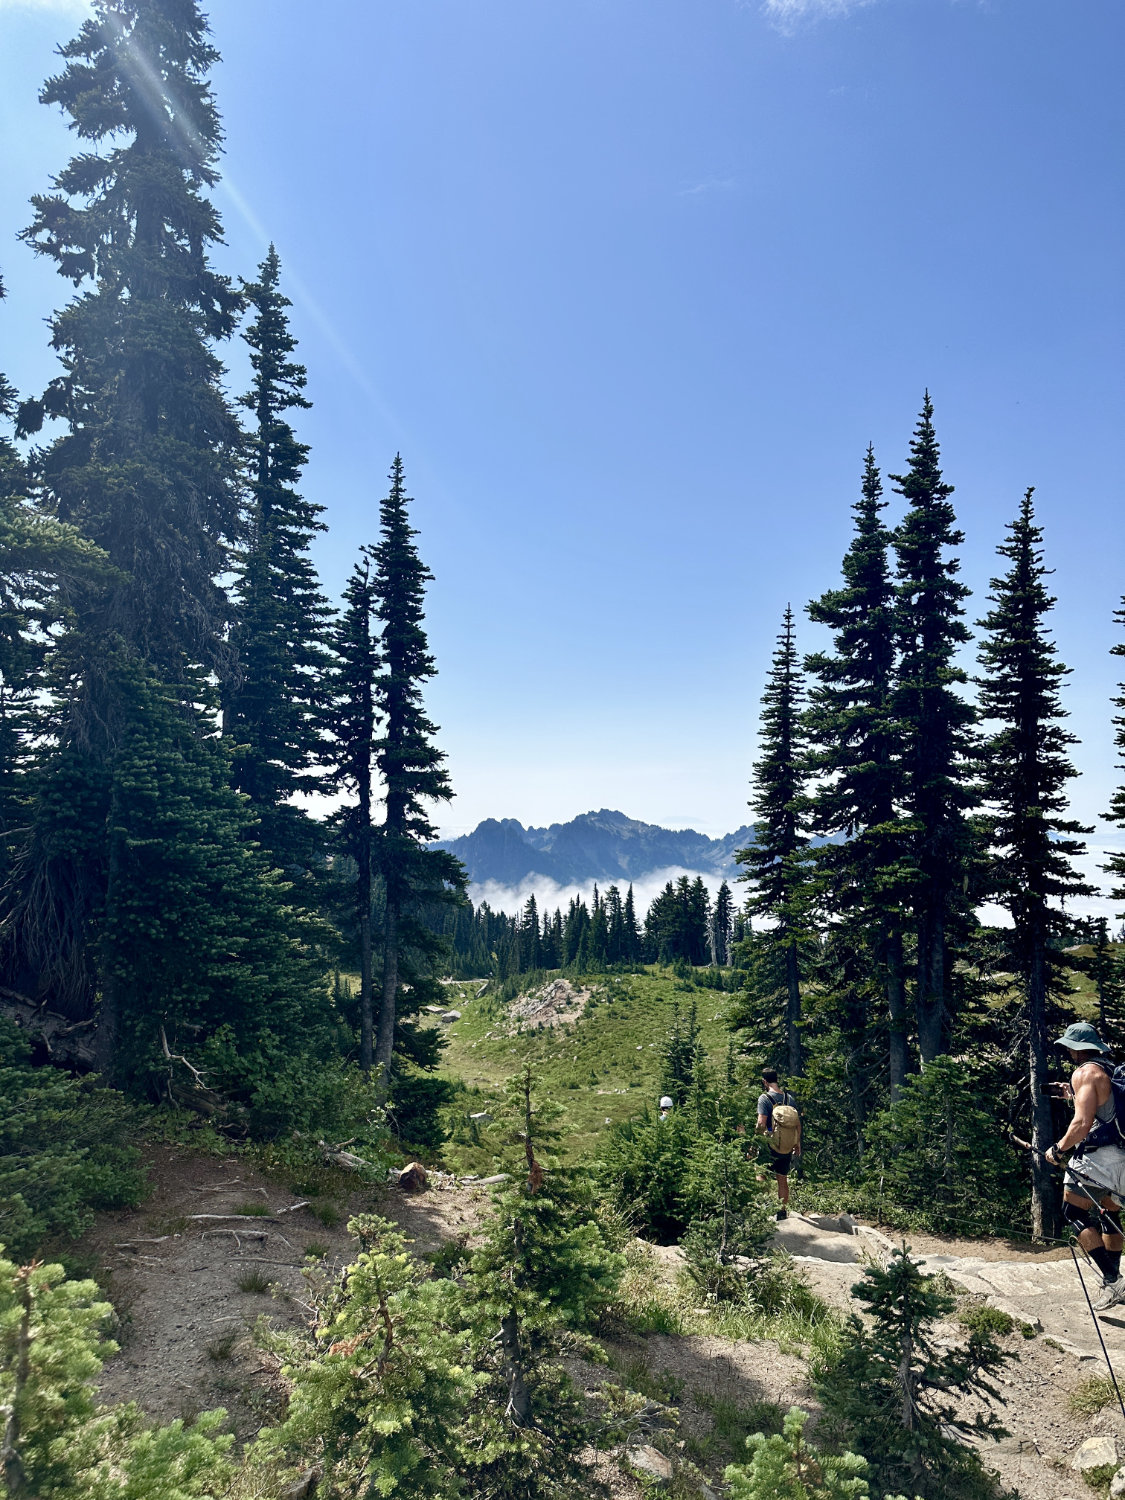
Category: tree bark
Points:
column 1044, row 1203
column 363, row 912
column 519, row 1397
column 795, row 1062
column 109, row 1009
column 896, row 1009
column 386, row 1038
column 930, row 1003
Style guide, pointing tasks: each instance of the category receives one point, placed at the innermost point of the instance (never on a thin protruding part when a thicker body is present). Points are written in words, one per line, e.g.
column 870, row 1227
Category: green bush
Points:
column 60, row 1442
column 941, row 1157
column 63, row 1151
column 785, row 1467
column 644, row 1168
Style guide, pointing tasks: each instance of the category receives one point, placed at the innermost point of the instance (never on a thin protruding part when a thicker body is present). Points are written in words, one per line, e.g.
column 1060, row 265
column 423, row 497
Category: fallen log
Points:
column 69, row 1044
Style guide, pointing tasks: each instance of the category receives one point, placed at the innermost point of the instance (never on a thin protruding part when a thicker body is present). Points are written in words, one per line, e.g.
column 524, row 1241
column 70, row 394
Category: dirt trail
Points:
column 187, row 1301
column 187, row 1291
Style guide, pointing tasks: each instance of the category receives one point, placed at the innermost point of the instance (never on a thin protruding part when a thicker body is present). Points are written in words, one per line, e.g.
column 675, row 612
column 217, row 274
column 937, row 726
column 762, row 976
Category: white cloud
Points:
column 788, row 15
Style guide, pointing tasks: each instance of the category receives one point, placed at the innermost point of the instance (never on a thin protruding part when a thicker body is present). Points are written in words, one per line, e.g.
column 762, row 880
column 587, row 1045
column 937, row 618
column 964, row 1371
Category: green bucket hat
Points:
column 1081, row 1037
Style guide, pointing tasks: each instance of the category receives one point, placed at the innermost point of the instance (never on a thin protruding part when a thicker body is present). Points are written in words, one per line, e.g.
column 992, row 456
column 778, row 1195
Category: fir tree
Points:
column 933, row 722
column 892, row 1392
column 353, row 722
column 722, row 922
column 271, row 700
column 411, row 766
column 1024, row 772
column 853, row 750
column 542, row 1275
column 776, row 864
column 148, row 467
column 632, row 933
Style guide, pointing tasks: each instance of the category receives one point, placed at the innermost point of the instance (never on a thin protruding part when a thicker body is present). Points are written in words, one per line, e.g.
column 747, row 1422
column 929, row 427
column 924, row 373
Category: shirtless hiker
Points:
column 1098, row 1163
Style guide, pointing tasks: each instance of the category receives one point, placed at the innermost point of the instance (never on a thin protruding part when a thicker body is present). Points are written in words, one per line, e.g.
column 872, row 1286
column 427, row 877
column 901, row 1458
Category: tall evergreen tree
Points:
column 271, row 698
column 411, row 766
column 1025, row 768
column 632, row 932
column 775, row 865
column 722, row 921
column 352, row 718
column 934, row 723
column 148, row 465
column 853, row 738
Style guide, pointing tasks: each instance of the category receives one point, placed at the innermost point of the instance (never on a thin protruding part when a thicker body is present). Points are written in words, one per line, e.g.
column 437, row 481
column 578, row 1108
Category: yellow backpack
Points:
column 785, row 1123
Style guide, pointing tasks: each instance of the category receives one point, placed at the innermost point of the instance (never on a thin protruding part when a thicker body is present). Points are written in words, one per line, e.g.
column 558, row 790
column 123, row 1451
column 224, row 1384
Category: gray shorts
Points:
column 1100, row 1172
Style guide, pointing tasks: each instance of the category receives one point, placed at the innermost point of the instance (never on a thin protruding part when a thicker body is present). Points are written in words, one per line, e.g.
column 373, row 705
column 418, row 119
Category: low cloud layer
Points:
column 549, row 894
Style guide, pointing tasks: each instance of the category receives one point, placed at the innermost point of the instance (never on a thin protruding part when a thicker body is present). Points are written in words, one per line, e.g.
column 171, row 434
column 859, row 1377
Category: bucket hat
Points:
column 1081, row 1037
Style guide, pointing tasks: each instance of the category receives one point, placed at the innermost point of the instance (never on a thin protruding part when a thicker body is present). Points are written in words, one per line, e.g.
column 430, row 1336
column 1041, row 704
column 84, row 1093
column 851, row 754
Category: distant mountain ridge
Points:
column 604, row 846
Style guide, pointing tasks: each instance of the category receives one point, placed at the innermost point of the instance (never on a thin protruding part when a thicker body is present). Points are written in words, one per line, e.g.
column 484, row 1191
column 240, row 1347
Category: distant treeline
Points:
column 683, row 925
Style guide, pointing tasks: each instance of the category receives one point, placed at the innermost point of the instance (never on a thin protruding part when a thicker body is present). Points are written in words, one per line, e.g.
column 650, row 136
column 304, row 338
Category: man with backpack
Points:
column 1094, row 1184
column 779, row 1120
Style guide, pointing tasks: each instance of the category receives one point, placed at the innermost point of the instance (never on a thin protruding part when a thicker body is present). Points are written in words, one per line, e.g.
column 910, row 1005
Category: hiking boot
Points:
column 783, row 1213
column 1111, row 1294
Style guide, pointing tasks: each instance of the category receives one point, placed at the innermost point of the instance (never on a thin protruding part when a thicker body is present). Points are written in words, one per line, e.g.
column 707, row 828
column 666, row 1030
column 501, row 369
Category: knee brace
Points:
column 1080, row 1216
column 1112, row 1217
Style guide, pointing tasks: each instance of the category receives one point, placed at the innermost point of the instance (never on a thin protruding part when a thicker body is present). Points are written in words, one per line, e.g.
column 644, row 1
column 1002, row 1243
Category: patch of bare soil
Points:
column 983, row 1249
column 556, row 1004
column 192, row 1271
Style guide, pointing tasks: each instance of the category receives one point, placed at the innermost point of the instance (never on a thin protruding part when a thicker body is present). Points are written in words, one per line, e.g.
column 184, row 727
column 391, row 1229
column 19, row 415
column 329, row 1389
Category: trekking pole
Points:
column 1102, row 1217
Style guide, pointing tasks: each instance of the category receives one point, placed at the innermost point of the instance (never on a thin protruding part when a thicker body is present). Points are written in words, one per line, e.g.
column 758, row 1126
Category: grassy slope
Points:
column 605, row 1066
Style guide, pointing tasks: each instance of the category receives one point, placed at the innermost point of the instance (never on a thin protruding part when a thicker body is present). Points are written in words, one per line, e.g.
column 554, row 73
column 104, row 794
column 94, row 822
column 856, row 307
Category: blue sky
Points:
column 631, row 284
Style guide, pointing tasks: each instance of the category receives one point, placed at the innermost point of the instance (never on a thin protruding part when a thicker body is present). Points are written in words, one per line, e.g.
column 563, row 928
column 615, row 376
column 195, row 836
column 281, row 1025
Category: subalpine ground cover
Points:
column 604, row 1066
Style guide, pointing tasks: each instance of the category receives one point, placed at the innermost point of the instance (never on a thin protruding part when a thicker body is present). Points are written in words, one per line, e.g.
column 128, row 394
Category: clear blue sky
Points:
column 631, row 284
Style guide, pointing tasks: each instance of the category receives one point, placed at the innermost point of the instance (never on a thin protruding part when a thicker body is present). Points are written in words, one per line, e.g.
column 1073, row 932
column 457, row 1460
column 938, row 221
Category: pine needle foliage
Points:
column 1025, row 768
column 776, row 864
column 271, row 710
column 785, row 1467
column 892, row 1393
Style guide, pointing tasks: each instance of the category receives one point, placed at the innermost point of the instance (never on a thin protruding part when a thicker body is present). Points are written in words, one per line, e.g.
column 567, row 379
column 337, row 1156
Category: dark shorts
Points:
column 780, row 1162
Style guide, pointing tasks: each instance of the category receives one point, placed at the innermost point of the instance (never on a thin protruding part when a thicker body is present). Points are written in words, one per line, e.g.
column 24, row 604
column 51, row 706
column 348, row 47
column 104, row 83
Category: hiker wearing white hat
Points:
column 1094, row 1185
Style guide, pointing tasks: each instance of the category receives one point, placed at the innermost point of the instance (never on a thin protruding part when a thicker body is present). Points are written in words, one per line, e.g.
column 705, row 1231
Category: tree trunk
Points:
column 896, row 1009
column 386, row 1039
column 930, row 1003
column 366, row 978
column 793, row 1012
column 1044, row 1198
column 519, row 1397
column 109, row 1009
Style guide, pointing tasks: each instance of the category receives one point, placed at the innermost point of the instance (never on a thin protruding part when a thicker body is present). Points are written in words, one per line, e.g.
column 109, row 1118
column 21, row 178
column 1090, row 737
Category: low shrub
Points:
column 64, row 1151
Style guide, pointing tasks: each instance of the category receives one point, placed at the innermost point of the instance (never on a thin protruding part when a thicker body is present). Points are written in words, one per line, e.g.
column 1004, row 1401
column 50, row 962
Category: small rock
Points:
column 413, row 1178
column 648, row 1461
column 1117, row 1484
column 450, row 1015
column 481, row 1114
column 1095, row 1453
column 303, row 1488
column 489, row 1181
column 433, row 1010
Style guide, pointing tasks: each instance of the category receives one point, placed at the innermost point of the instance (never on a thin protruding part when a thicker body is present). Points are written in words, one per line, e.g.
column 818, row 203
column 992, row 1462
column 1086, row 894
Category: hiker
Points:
column 665, row 1107
column 779, row 1120
column 1097, row 1168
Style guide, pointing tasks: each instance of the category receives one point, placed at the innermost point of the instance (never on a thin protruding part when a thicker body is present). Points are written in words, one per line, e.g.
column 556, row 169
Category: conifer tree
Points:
column 1024, row 772
column 410, row 765
column 776, row 864
column 543, row 1274
column 722, row 921
column 632, row 932
column 853, row 739
column 147, row 468
column 271, row 698
column 891, row 1390
column 934, row 723
column 352, row 717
